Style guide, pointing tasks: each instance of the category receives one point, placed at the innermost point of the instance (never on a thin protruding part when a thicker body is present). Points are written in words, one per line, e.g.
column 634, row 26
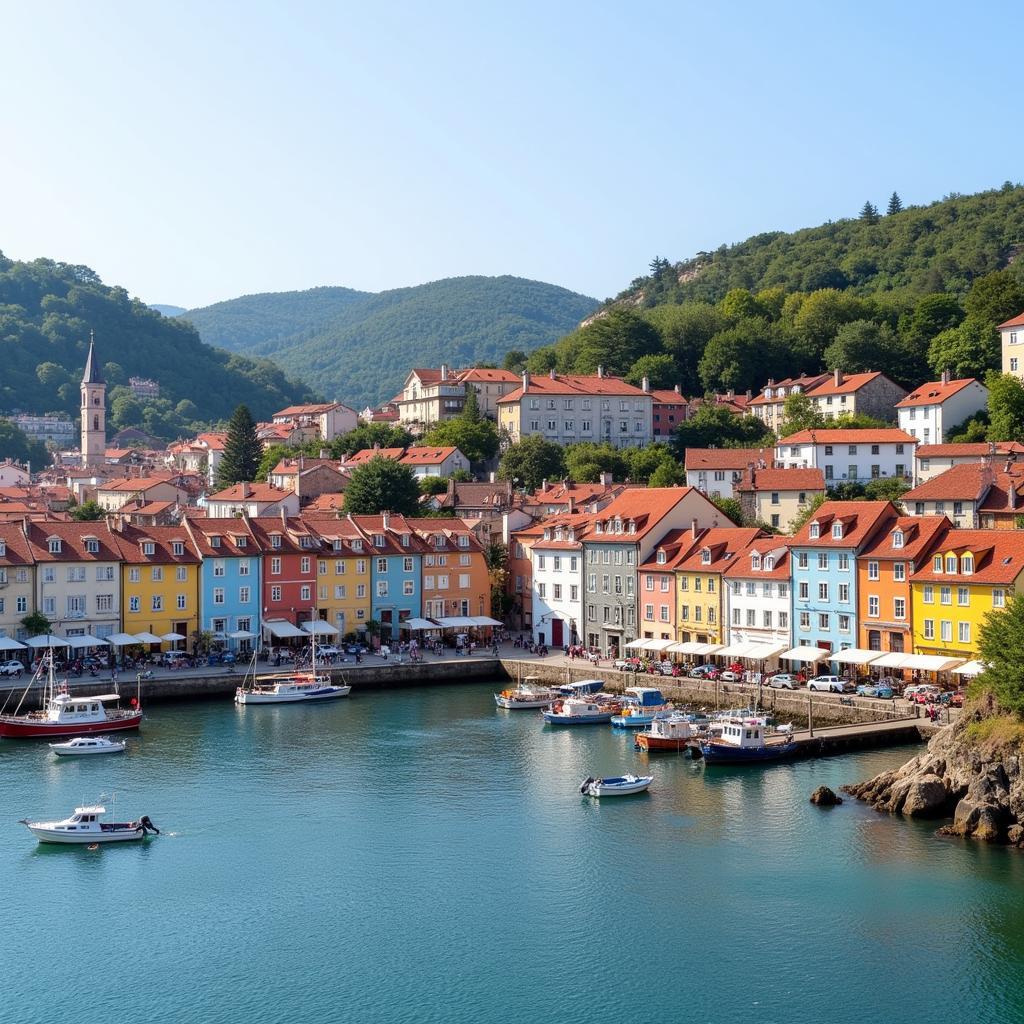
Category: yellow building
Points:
column 700, row 603
column 971, row 574
column 343, row 574
column 159, row 581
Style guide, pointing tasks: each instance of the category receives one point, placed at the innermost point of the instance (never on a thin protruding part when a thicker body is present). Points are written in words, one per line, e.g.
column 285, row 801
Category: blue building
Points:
column 824, row 574
column 396, row 572
column 229, row 581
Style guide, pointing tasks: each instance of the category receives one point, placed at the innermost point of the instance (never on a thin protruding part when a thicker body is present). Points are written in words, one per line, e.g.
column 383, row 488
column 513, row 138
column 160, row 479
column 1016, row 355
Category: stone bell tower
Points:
column 94, row 410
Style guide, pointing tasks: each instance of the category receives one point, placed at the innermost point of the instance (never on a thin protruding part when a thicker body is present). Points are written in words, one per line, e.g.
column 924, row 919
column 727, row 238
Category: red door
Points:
column 556, row 632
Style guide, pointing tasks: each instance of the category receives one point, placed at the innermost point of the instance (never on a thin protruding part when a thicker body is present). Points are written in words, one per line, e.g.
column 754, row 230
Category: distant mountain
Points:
column 358, row 346
column 47, row 311
column 168, row 310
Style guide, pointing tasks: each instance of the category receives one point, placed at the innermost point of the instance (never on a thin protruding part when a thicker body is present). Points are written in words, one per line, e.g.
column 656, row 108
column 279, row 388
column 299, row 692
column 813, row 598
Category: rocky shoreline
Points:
column 981, row 787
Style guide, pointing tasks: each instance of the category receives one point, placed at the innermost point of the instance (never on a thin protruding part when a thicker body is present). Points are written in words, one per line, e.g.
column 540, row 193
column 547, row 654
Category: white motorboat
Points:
column 528, row 694
column 289, row 687
column 621, row 785
column 578, row 711
column 86, row 826
column 82, row 745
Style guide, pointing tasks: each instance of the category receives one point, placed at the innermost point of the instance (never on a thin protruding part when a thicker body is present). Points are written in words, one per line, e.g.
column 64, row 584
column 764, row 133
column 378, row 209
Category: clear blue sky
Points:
column 192, row 152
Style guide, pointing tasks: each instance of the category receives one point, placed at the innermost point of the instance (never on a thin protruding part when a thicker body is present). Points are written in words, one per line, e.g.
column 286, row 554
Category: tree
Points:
column 496, row 555
column 614, row 341
column 933, row 315
column 895, row 205
column 587, row 460
column 15, row 444
column 738, row 357
column 995, row 298
column 972, row 430
column 668, row 474
column 126, row 411
column 1005, row 407
column 739, row 304
column 471, row 406
column 515, row 360
column 891, row 488
column 869, row 213
column 863, row 345
column 474, row 436
column 433, row 484
column 800, row 413
column 660, row 371
column 36, row 623
column 685, row 331
column 807, row 512
column 366, row 435
column 88, row 511
column 714, row 425
column 820, row 316
column 729, row 507
column 531, row 461
column 643, row 463
column 382, row 485
column 1001, row 650
column 242, row 450
column 970, row 350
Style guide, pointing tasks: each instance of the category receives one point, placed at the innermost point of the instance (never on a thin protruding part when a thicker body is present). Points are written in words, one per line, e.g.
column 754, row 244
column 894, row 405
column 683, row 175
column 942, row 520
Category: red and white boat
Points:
column 63, row 714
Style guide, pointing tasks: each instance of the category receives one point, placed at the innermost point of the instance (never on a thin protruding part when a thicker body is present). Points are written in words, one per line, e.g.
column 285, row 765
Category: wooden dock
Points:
column 841, row 739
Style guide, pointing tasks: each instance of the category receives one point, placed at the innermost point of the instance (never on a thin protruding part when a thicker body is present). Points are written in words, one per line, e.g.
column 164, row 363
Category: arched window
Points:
column 95, row 423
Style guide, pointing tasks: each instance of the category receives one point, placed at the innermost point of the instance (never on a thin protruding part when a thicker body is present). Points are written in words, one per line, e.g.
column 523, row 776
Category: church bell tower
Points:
column 94, row 410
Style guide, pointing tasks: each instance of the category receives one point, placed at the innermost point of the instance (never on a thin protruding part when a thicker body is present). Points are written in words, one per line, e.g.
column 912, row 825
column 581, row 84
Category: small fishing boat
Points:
column 86, row 826
column 82, row 745
column 746, row 741
column 289, row 687
column 674, row 733
column 643, row 705
column 621, row 785
column 578, row 711
column 581, row 687
column 528, row 694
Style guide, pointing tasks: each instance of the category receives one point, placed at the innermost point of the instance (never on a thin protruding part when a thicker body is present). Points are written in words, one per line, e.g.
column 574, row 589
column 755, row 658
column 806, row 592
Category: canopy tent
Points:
column 485, row 620
column 7, row 644
column 320, row 627
column 148, row 638
column 688, row 647
column 47, row 640
column 88, row 640
column 172, row 637
column 659, row 645
column 855, row 656
column 930, row 662
column 891, row 660
column 121, row 639
column 417, row 624
column 237, row 634
column 762, row 651
column 970, row 668
column 736, row 650
column 638, row 645
column 456, row 622
column 283, row 629
column 805, row 653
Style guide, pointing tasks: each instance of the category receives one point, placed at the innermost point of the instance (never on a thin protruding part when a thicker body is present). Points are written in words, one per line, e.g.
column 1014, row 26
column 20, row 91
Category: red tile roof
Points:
column 920, row 535
column 250, row 492
column 425, row 456
column 967, row 449
column 676, row 544
column 487, row 374
column 783, row 480
column 72, row 536
column 935, row 392
column 998, row 557
column 562, row 384
column 882, row 435
column 1017, row 321
column 777, row 547
column 307, row 410
column 366, row 454
column 860, row 520
column 849, row 383
column 228, row 530
column 646, row 507
column 667, row 397
column 130, row 541
column 805, row 383
column 726, row 458
column 965, row 481
column 724, row 544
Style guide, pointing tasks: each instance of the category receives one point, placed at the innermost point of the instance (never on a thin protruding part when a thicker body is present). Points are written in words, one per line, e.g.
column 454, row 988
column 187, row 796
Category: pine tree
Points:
column 242, row 450
column 471, row 406
column 895, row 204
column 869, row 213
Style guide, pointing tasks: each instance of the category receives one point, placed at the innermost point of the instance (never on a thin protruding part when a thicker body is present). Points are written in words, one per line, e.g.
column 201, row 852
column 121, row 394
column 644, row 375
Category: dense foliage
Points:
column 531, row 461
column 358, row 347
column 476, row 437
column 382, row 485
column 17, row 445
column 242, row 450
column 1001, row 649
column 47, row 310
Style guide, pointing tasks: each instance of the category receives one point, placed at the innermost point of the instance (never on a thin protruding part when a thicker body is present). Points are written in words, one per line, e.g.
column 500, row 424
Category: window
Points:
column 157, row 603
column 815, row 532
column 801, row 560
column 76, row 574
column 899, row 608
column 574, row 592
column 822, row 591
column 929, row 629
column 50, row 574
column 950, row 563
column 649, row 612
column 711, row 584
column 104, row 602
column 382, row 565
column 837, row 531
column 92, row 545
column 937, row 563
column 783, row 620
column 148, row 547
column 775, row 497
column 783, row 590
column 408, row 588
column 766, row 619
column 21, row 604
column 134, row 575
column 666, row 584
column 134, row 604
column 360, row 590
column 177, row 547
column 822, row 559
column 53, row 545
column 897, row 538
column 998, row 598
column 844, row 593
column 964, row 632
column 156, row 573
column 751, row 617
column 556, row 590
column 407, row 565
column 928, row 595
column 963, row 597
column 182, row 602
column 967, row 565
column 304, row 564
column 946, row 630
column 844, row 623
column 899, row 571
column 275, row 593
column 218, row 595
column 805, row 620
column 873, row 607
column 802, row 590
column 180, row 573
column 945, row 595
column 823, row 620
column 872, row 570
column 243, row 595
column 275, row 566
column 243, row 567
column 591, row 583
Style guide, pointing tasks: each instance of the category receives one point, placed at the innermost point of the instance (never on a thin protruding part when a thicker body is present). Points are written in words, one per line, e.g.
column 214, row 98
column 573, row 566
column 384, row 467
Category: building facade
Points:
column 757, row 595
column 932, row 410
column 849, row 456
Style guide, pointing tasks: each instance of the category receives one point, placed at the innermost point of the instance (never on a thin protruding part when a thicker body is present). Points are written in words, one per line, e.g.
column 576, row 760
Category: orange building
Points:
column 884, row 568
column 455, row 580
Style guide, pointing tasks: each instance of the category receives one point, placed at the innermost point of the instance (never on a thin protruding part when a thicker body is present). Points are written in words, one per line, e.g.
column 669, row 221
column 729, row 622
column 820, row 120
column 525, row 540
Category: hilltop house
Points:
column 931, row 410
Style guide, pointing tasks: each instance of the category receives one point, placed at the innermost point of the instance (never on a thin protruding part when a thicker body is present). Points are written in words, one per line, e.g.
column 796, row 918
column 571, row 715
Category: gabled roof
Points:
column 676, row 545
column 488, row 375
column 325, row 503
column 646, row 507
column 581, row 523
column 17, row 550
column 936, row 392
column 777, row 547
column 571, row 385
column 818, row 435
column 425, row 456
column 448, row 531
column 723, row 543
column 860, row 519
column 998, row 557
column 250, row 492
column 726, row 458
column 805, row 382
column 666, row 396
column 783, row 480
column 72, row 536
column 968, row 449
column 373, row 526
column 130, row 541
column 366, row 454
column 308, row 410
column 966, row 481
column 1017, row 321
column 848, row 384
column 131, row 485
column 228, row 530
column 920, row 535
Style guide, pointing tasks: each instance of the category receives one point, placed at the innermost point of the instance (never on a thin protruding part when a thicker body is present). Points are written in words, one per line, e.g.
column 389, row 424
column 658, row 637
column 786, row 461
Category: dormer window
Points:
column 92, row 545
column 357, row 545
column 463, row 540
column 661, row 558
column 598, row 528
column 241, row 541
column 755, row 561
column 967, row 565
column 305, row 541
column 214, row 540
column 837, row 531
column 275, row 540
column 405, row 540
column 148, row 547
column 572, row 535
column 3, row 548
column 815, row 530
column 618, row 525
column 378, row 540
column 632, row 526
column 336, row 544
column 53, row 545
column 439, row 541
column 937, row 563
column 177, row 547
column 547, row 534
column 705, row 556
column 951, row 564
column 897, row 538
column 769, row 563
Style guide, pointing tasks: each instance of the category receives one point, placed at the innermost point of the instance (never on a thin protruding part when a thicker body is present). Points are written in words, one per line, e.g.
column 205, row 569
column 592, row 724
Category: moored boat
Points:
column 674, row 733
column 642, row 705
column 745, row 741
column 83, row 745
column 289, row 687
column 581, row 687
column 86, row 826
column 578, row 711
column 621, row 785
column 528, row 694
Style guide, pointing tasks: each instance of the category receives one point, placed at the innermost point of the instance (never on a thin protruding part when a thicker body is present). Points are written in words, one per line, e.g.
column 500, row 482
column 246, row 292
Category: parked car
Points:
column 784, row 681
column 829, row 684
column 922, row 693
column 883, row 690
column 704, row 671
column 356, row 649
column 665, row 668
column 730, row 676
column 11, row 668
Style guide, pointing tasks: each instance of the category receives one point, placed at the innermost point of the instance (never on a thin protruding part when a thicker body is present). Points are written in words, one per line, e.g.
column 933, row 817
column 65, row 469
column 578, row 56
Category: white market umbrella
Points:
column 7, row 644
column 85, row 641
column 172, row 637
column 148, row 638
column 47, row 640
column 122, row 639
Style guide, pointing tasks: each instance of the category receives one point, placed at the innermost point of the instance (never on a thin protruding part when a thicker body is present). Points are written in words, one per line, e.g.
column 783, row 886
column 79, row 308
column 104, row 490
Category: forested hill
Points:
column 911, row 292
column 47, row 310
column 358, row 346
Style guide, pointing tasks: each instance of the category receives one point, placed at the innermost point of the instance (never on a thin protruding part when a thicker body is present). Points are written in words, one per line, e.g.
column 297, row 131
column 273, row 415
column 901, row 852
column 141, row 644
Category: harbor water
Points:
column 420, row 856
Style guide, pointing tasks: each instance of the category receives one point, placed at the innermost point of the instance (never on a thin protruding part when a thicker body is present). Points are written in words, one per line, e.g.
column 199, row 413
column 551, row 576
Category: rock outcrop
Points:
column 981, row 787
column 824, row 797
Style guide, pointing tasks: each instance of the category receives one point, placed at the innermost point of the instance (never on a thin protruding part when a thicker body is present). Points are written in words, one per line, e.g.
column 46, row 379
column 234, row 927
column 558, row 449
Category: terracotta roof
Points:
column 920, row 535
column 676, row 544
column 489, row 374
column 724, row 544
column 572, row 385
column 805, row 383
column 130, row 540
column 726, row 458
column 424, row 456
column 132, row 484
column 478, row 495
column 998, row 557
column 228, row 530
column 860, row 520
column 17, row 550
column 448, row 529
column 777, row 547
column 250, row 492
column 967, row 449
column 307, row 410
column 965, row 481
column 667, row 397
column 849, row 383
column 366, row 454
column 290, row 467
column 1017, row 321
column 935, row 392
column 783, row 480
column 117, row 453
column 561, row 492
column 326, row 503
column 581, row 523
column 72, row 536
column 646, row 507
column 397, row 526
column 213, row 439
column 882, row 435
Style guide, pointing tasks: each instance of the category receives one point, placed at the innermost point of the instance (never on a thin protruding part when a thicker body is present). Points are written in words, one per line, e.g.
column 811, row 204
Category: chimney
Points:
column 678, row 389
column 324, row 453
column 606, row 479
column 750, row 394
column 600, row 371
column 730, row 394
column 551, row 373
column 572, row 503
column 837, row 376
column 246, row 489
column 693, row 529
column 444, row 371
column 526, row 379
column 544, row 485
column 945, row 376
column 771, row 381
column 1011, row 493
column 491, row 477
column 645, row 384
column 385, row 520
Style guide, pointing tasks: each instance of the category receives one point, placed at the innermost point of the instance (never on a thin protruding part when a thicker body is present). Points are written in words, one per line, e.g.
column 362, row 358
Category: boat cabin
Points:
column 85, row 819
column 671, row 729
column 645, row 696
column 750, row 733
column 73, row 710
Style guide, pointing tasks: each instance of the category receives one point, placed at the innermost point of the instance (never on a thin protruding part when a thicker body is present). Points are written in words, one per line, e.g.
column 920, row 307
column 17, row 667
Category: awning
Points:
column 281, row 628
column 638, row 645
column 456, row 622
column 658, row 645
column 85, row 641
column 931, row 662
column 148, row 638
column 486, row 620
column 7, row 644
column 970, row 668
column 759, row 652
column 121, row 639
column 172, row 637
column 737, row 650
column 319, row 626
column 806, row 653
column 418, row 624
column 47, row 640
column 893, row 659
column 238, row 634
column 855, row 656
column 687, row 647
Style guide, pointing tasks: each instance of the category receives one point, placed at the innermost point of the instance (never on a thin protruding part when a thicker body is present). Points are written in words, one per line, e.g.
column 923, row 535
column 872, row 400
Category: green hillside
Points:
column 358, row 346
column 47, row 310
column 910, row 292
column 168, row 310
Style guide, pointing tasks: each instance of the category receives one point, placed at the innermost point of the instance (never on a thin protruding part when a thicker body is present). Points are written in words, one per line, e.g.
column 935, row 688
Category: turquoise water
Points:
column 420, row 856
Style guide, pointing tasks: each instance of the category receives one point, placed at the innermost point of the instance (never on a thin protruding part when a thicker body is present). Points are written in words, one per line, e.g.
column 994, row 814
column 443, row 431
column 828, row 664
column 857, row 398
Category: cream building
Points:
column 1011, row 335
column 17, row 581
column 430, row 396
column 777, row 496
column 768, row 407
column 872, row 394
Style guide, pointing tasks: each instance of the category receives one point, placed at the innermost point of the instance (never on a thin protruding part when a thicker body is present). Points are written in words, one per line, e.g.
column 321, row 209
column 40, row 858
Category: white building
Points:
column 717, row 471
column 757, row 594
column 253, row 500
column 932, row 410
column 323, row 421
column 557, row 576
column 849, row 456
column 12, row 474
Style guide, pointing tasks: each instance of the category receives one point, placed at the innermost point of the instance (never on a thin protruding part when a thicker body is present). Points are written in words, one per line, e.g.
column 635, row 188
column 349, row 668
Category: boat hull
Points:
column 46, row 835
column 22, row 727
column 254, row 697
column 659, row 743
column 554, row 719
column 723, row 753
column 63, row 751
column 521, row 705
column 619, row 787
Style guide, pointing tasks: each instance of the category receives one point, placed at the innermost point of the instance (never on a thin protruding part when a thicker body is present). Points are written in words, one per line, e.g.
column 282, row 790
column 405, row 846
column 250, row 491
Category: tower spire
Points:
column 92, row 373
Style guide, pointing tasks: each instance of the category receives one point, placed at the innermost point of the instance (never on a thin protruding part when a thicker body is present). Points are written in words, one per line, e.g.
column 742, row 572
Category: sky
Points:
column 193, row 152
